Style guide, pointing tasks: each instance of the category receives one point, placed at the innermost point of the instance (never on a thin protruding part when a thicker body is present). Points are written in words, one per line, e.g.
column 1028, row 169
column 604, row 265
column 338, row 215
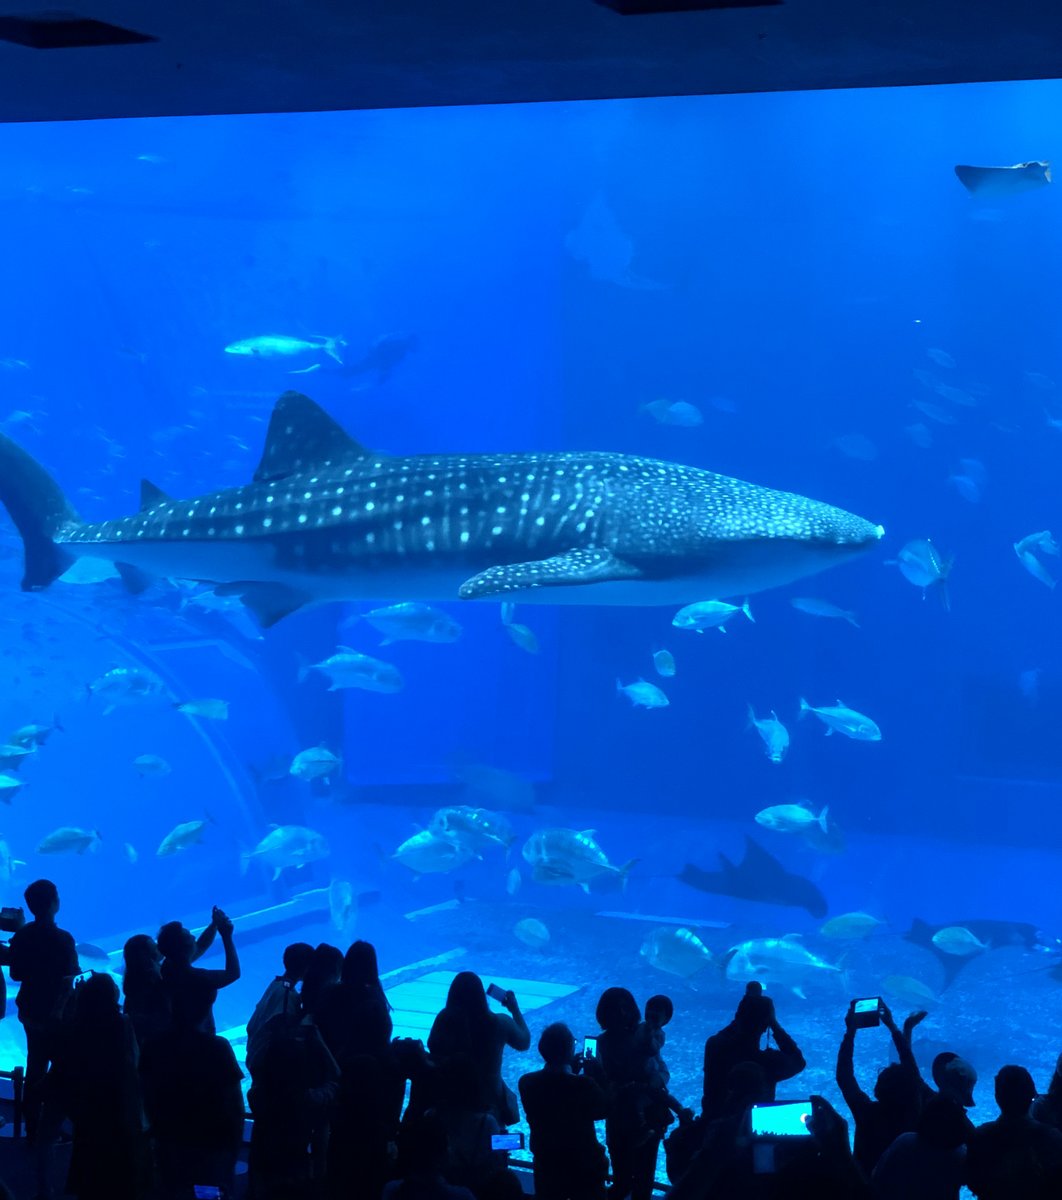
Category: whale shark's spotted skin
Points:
column 327, row 519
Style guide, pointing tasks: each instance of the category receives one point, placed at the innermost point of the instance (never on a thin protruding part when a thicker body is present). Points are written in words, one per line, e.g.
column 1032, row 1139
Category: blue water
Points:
column 784, row 263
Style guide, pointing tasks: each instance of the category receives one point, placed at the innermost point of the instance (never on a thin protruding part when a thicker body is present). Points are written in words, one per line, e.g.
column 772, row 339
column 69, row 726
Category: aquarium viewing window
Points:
column 601, row 543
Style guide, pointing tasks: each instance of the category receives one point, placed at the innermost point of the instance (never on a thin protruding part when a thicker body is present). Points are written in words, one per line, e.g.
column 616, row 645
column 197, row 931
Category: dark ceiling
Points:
column 277, row 55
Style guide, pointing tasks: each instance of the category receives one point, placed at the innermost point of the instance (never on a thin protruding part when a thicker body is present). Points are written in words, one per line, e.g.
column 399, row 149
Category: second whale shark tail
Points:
column 39, row 509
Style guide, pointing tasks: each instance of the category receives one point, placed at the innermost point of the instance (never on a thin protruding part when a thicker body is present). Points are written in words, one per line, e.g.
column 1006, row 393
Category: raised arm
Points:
column 514, row 1027
column 853, row 1094
column 901, row 1039
column 206, row 939
column 230, row 972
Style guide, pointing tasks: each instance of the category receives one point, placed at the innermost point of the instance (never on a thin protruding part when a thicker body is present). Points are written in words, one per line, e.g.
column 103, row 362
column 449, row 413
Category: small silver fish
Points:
column 279, row 345
column 958, row 940
column 532, row 933
column 348, row 668
column 181, row 837
column 840, row 718
column 425, row 853
column 709, row 614
column 642, row 694
column 677, row 951
column 151, row 765
column 922, row 564
column 288, row 846
column 315, row 763
column 69, row 839
column 210, row 710
column 413, row 621
column 822, row 608
column 1028, row 550
column 774, row 734
column 792, row 818
column 664, row 662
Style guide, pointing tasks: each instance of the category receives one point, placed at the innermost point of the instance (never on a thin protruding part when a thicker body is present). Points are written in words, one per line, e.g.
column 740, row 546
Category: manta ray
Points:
column 326, row 519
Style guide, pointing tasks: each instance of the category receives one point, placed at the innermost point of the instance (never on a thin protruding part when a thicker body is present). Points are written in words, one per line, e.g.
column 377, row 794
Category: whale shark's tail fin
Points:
column 39, row 509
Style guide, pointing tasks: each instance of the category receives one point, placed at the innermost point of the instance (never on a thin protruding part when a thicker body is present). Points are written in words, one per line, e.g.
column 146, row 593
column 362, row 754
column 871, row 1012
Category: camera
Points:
column 11, row 919
column 866, row 1013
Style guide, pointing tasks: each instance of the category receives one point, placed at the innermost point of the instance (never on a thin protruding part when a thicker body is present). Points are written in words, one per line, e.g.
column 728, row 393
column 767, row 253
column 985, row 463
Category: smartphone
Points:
column 787, row 1119
column 589, row 1047
column 496, row 993
column 506, row 1141
column 207, row 1191
column 867, row 1012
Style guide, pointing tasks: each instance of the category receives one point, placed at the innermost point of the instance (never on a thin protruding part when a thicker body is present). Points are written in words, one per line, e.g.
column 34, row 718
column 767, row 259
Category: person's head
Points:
column 96, row 999
column 467, row 996
column 941, row 1124
column 659, row 1010
column 175, row 942
column 323, row 969
column 557, row 1045
column 755, row 1011
column 617, row 1010
column 296, row 959
column 955, row 1078
column 42, row 899
column 141, row 955
column 939, row 1063
column 360, row 968
column 422, row 1145
column 1015, row 1091
column 896, row 1088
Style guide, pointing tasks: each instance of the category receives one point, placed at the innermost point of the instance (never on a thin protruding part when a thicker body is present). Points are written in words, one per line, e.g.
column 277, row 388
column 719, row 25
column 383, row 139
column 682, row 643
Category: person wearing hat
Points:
column 1014, row 1156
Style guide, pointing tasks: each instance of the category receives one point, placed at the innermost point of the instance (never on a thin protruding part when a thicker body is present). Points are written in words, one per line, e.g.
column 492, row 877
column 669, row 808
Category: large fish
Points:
column 759, row 877
column 325, row 519
column 1004, row 181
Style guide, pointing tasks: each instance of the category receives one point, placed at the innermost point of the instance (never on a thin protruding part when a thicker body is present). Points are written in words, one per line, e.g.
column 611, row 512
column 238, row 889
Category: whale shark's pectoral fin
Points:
column 563, row 570
column 269, row 602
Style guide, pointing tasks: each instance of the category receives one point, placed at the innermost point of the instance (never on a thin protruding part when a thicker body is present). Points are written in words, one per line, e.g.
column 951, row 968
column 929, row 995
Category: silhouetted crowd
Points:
column 152, row 1097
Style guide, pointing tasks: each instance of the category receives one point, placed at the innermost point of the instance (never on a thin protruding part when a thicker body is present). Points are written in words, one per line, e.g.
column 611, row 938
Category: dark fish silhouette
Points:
column 1004, row 181
column 994, row 934
column 759, row 877
column 386, row 353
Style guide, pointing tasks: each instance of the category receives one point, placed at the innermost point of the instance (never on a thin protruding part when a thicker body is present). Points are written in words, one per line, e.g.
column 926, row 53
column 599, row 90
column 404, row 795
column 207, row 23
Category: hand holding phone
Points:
column 866, row 1013
column 506, row 999
column 589, row 1047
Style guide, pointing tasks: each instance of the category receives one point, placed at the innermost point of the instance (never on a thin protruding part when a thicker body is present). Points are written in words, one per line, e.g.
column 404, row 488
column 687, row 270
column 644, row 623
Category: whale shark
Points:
column 325, row 519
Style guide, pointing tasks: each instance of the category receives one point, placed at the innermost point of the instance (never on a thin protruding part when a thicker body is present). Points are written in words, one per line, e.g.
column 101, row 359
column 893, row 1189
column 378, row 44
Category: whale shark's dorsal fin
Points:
column 151, row 494
column 303, row 436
